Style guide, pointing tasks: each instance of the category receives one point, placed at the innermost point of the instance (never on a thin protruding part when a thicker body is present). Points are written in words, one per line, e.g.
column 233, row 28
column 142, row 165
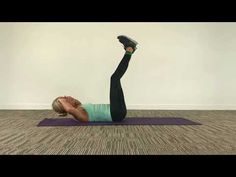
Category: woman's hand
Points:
column 72, row 101
column 66, row 105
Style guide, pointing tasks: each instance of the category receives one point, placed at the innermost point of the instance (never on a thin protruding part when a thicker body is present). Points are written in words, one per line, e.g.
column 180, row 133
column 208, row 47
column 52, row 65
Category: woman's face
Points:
column 74, row 102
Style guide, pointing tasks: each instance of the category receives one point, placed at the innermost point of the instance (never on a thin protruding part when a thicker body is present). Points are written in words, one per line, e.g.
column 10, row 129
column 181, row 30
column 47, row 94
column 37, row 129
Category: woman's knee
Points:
column 114, row 77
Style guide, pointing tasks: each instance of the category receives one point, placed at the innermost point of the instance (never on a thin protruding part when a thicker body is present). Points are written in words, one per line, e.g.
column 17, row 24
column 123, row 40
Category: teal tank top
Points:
column 98, row 112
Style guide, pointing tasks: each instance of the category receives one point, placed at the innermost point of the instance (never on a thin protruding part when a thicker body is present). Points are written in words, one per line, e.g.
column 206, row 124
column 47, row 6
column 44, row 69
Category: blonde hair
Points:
column 57, row 107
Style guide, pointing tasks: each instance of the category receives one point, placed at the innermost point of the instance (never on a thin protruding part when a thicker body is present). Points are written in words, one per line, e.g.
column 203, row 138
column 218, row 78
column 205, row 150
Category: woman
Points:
column 116, row 110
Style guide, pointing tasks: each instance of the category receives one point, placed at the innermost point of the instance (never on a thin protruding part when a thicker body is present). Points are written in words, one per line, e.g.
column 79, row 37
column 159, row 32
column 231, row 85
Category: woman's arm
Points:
column 77, row 114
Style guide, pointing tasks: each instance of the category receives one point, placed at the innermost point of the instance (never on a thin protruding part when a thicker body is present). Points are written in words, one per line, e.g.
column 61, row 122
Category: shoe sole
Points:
column 127, row 38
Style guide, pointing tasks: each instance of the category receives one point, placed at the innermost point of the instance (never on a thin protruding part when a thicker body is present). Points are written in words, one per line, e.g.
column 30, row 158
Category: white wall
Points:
column 176, row 66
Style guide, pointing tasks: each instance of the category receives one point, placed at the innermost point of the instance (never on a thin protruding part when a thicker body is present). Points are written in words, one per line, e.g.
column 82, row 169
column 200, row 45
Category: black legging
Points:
column 117, row 100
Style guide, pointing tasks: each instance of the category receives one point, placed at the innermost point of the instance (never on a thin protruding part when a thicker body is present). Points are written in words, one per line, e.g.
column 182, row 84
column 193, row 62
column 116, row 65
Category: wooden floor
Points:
column 19, row 134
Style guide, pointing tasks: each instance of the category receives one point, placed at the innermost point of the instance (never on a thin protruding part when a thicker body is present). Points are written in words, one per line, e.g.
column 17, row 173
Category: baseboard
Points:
column 181, row 107
column 25, row 106
column 31, row 106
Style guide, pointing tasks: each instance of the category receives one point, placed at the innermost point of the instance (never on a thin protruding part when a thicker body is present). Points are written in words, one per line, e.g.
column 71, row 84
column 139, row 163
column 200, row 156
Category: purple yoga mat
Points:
column 127, row 121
